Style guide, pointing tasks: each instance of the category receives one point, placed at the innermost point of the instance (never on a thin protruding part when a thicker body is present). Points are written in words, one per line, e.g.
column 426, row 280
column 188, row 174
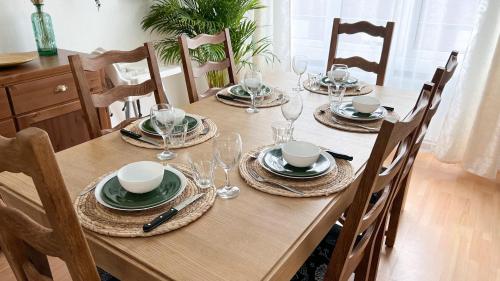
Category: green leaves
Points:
column 171, row 18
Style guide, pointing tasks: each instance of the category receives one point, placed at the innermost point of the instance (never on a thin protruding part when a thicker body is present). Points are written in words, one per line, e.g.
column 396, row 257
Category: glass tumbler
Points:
column 178, row 136
column 282, row 132
column 314, row 81
column 335, row 96
column 203, row 169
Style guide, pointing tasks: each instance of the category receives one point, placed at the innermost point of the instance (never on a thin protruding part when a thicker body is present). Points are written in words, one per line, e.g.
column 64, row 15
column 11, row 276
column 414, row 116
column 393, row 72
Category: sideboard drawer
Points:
column 45, row 92
column 4, row 104
column 7, row 128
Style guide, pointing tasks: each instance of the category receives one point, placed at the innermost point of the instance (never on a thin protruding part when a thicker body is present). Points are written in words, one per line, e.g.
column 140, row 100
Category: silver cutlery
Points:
column 139, row 137
column 87, row 191
column 359, row 88
column 336, row 120
column 259, row 178
column 206, row 128
column 170, row 213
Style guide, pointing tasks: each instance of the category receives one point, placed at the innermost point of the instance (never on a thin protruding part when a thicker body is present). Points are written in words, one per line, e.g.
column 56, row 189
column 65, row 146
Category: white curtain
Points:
column 471, row 130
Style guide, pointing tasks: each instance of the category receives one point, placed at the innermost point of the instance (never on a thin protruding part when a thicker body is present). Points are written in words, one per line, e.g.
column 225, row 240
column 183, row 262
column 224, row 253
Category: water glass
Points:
column 162, row 119
column 178, row 136
column 203, row 169
column 291, row 108
column 299, row 66
column 252, row 83
column 314, row 81
column 227, row 153
column 282, row 132
column 335, row 96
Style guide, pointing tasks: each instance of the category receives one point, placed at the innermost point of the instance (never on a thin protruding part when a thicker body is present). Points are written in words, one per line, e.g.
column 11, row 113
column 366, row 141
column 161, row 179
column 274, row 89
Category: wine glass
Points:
column 227, row 153
column 252, row 83
column 291, row 108
column 299, row 66
column 339, row 73
column 162, row 119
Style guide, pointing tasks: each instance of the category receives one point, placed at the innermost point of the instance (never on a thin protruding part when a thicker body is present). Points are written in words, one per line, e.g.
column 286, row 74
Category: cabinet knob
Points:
column 61, row 88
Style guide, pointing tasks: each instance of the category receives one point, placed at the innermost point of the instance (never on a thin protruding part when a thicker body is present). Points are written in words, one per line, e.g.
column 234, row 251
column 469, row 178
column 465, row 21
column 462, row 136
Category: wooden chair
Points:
column 440, row 79
column 362, row 27
column 354, row 248
column 91, row 103
column 190, row 72
column 26, row 243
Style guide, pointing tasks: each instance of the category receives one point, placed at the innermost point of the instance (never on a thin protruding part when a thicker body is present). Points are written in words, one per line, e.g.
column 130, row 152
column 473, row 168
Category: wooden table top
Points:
column 256, row 236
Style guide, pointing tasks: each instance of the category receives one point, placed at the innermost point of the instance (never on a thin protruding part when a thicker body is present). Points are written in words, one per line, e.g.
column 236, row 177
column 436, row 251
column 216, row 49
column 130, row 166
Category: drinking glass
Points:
column 291, row 108
column 252, row 83
column 162, row 119
column 335, row 96
column 339, row 73
column 227, row 153
column 178, row 135
column 299, row 66
column 281, row 132
column 203, row 169
column 314, row 81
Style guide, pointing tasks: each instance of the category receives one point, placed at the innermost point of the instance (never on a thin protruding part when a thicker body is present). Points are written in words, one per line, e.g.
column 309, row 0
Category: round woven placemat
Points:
column 334, row 181
column 348, row 93
column 275, row 99
column 193, row 138
column 109, row 222
column 324, row 115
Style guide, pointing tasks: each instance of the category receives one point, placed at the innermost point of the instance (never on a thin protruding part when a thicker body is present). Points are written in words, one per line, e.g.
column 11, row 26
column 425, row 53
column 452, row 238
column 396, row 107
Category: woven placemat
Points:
column 193, row 138
column 348, row 93
column 109, row 222
column 334, row 181
column 325, row 116
column 274, row 99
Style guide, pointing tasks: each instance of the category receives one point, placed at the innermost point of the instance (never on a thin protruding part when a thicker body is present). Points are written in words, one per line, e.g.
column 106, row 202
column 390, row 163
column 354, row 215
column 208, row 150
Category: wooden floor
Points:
column 450, row 229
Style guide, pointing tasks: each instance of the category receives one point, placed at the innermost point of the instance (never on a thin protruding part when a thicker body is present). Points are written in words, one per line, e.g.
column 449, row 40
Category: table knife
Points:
column 138, row 137
column 170, row 213
column 231, row 98
column 339, row 155
column 388, row 108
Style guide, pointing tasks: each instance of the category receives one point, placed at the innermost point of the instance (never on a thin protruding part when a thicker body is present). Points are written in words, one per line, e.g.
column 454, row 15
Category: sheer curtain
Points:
column 426, row 31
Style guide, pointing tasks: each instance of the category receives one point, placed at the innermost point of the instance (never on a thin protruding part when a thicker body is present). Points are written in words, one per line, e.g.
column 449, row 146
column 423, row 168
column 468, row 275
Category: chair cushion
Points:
column 315, row 266
column 106, row 276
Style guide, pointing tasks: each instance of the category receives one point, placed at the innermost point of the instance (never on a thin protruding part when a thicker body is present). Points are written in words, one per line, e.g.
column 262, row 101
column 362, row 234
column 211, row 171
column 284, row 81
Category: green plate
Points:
column 113, row 194
column 350, row 83
column 347, row 110
column 273, row 161
column 238, row 91
column 146, row 126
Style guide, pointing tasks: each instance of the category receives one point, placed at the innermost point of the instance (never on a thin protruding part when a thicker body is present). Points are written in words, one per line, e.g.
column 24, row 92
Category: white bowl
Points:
column 365, row 104
column 179, row 115
column 140, row 177
column 300, row 153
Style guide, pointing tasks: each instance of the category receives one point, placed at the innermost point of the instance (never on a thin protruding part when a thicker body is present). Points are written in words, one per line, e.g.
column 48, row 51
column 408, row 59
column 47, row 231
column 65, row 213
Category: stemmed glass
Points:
column 227, row 153
column 339, row 73
column 299, row 66
column 252, row 83
column 291, row 108
column 162, row 119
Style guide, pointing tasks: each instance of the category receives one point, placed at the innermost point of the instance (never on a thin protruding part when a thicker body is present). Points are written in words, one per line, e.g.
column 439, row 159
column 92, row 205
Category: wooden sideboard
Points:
column 42, row 94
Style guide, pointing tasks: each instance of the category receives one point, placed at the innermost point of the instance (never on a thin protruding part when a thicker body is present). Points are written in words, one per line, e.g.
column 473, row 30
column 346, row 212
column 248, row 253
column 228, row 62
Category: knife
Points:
column 339, row 155
column 238, row 99
column 388, row 108
column 138, row 137
column 170, row 213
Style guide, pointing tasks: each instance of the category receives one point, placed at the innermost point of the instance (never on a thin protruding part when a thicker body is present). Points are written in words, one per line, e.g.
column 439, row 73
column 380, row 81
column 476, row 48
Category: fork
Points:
column 259, row 178
column 206, row 129
column 87, row 191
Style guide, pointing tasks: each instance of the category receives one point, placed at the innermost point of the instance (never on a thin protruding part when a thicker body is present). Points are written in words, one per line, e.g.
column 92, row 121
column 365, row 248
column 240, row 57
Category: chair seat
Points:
column 105, row 276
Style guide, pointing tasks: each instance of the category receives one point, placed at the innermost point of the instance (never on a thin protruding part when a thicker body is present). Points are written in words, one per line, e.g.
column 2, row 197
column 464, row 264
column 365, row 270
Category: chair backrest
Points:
column 440, row 79
column 27, row 243
column 365, row 218
column 190, row 72
column 362, row 27
column 91, row 102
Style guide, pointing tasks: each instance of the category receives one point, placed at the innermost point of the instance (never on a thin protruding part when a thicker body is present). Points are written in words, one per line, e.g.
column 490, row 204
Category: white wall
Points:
column 79, row 26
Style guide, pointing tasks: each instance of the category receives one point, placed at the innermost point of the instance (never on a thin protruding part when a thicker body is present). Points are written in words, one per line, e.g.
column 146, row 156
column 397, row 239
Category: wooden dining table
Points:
column 256, row 236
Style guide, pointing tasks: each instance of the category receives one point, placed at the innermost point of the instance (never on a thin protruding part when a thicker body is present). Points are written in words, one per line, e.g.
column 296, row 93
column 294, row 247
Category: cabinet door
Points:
column 64, row 123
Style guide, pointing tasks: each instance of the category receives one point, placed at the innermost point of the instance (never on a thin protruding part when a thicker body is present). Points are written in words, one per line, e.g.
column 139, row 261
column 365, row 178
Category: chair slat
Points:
column 202, row 39
column 362, row 27
column 121, row 92
column 210, row 66
column 359, row 62
column 103, row 60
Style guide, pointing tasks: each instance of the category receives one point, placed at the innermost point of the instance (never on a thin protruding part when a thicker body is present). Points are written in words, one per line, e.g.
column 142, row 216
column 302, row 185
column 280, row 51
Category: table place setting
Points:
column 188, row 130
column 363, row 114
column 143, row 199
column 338, row 76
column 296, row 169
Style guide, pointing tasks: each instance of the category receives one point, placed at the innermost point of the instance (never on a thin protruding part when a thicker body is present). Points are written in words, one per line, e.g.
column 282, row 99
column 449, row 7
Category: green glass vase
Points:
column 44, row 33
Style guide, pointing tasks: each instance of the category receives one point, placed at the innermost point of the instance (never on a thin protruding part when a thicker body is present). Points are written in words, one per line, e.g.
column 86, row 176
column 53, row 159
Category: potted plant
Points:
column 171, row 18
